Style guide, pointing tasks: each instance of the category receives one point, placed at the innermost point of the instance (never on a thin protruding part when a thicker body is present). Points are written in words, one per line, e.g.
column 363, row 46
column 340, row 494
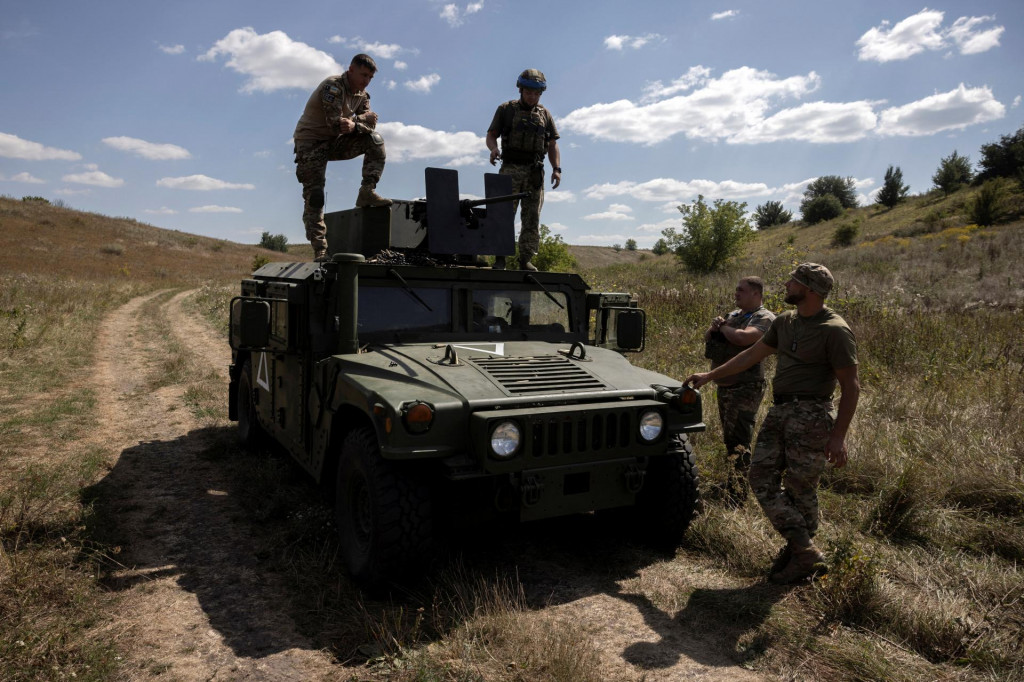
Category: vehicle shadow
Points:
column 249, row 536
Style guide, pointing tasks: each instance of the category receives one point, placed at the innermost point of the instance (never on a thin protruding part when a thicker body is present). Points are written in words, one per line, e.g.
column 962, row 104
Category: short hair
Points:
column 755, row 283
column 364, row 60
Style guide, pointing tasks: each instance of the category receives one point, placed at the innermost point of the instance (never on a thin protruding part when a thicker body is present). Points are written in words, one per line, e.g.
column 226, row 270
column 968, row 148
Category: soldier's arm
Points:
column 741, row 337
column 364, row 117
column 849, row 384
column 748, row 358
column 555, row 157
column 492, row 146
column 333, row 104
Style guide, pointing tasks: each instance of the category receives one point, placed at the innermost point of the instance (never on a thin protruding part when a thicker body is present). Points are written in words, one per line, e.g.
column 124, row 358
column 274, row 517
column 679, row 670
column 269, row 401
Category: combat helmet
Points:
column 533, row 80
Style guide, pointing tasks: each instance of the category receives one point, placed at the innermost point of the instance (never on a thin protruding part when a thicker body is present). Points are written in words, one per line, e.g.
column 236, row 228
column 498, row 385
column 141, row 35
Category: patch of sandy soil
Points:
column 196, row 604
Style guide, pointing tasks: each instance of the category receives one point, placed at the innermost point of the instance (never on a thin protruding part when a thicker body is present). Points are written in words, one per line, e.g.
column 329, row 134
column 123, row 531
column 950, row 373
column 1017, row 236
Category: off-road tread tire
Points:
column 401, row 538
column 668, row 501
column 250, row 434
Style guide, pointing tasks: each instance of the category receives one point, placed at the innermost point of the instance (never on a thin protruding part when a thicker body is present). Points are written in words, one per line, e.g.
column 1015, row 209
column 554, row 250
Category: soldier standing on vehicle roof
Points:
column 336, row 125
column 527, row 132
column 816, row 350
column 740, row 395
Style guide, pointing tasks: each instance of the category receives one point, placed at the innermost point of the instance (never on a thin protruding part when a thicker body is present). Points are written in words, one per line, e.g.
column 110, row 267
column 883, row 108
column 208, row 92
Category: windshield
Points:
column 385, row 309
column 500, row 310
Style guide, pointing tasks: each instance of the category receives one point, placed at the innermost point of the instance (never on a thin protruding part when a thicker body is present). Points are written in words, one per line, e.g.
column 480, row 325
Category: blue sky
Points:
column 181, row 114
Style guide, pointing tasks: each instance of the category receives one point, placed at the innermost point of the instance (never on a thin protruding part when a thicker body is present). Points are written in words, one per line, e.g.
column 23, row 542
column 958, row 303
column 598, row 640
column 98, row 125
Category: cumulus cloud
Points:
column 1016, row 102
column 614, row 42
column 456, row 17
column 413, row 143
column 13, row 147
column 374, row 49
column 953, row 110
column 163, row 210
column 423, row 84
column 148, row 150
column 559, row 196
column 742, row 107
column 670, row 190
column 214, row 209
column 272, row 61
column 400, row 65
column 923, row 31
column 24, row 177
column 614, row 212
column 202, row 183
column 729, row 13
column 95, row 178
column 172, row 49
column 659, row 227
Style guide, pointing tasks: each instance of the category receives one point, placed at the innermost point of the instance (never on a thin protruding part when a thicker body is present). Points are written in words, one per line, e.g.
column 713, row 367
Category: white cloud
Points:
column 614, row 212
column 215, row 209
column 818, row 122
column 163, row 210
column 661, row 226
column 455, row 17
column 1016, row 102
column 24, row 177
column 719, row 108
column 202, row 183
column 923, row 31
column 374, row 49
column 953, row 110
column 148, row 150
column 400, row 65
column 559, row 196
column 655, row 90
column 725, row 15
column 72, row 192
column 13, row 147
column 556, row 227
column 272, row 61
column 423, row 84
column 614, row 42
column 412, row 143
column 93, row 177
column 172, row 49
column 676, row 191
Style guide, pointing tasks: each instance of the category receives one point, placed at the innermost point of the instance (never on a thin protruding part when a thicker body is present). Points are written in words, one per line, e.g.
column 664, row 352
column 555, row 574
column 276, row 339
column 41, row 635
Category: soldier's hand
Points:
column 370, row 118
column 347, row 126
column 697, row 380
column 556, row 179
column 495, row 155
column 835, row 451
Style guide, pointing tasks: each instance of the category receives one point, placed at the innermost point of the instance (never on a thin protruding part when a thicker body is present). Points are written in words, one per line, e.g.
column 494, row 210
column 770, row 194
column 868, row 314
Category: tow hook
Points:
column 634, row 477
column 530, row 489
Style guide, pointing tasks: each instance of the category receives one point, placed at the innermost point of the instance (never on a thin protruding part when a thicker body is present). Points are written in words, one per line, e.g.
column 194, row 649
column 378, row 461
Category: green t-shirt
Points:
column 809, row 351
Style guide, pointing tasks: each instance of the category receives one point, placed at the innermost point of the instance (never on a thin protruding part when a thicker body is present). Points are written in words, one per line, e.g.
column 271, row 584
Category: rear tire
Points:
column 250, row 434
column 384, row 514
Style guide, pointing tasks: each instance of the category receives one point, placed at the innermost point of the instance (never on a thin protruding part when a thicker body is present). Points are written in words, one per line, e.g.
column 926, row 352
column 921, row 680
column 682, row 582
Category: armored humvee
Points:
column 418, row 389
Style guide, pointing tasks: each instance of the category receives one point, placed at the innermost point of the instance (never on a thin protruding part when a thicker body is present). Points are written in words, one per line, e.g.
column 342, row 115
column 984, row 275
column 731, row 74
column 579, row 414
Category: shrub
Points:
column 258, row 261
column 771, row 214
column 893, row 190
column 713, row 235
column 660, row 247
column 845, row 234
column 40, row 200
column 821, row 208
column 953, row 173
column 984, row 209
column 630, row 245
column 276, row 242
column 553, row 254
column 842, row 189
column 617, row 247
column 1003, row 159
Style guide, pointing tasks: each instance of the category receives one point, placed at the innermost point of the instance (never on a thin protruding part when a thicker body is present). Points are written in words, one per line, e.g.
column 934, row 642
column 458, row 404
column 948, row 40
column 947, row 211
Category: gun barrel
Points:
column 470, row 203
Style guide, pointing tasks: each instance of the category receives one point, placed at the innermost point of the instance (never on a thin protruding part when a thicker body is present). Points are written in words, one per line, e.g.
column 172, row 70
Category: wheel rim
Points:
column 361, row 508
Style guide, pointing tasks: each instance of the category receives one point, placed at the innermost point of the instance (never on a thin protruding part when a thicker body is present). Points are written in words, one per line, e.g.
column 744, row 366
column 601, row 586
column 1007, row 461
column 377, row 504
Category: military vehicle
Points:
column 419, row 390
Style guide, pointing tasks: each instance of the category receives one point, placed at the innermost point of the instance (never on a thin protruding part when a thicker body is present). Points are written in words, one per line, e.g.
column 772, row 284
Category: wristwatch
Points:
column 556, row 169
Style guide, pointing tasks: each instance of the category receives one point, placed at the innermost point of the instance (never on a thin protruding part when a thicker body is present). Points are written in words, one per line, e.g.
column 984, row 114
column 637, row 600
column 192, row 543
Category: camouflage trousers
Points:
column 788, row 462
column 311, row 157
column 525, row 179
column 737, row 409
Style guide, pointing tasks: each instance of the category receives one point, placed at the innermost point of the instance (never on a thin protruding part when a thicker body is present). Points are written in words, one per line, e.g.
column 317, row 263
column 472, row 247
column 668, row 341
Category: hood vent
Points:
column 537, row 375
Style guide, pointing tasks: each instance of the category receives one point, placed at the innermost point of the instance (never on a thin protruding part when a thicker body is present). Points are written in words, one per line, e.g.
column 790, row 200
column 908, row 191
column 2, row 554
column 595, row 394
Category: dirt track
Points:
column 197, row 603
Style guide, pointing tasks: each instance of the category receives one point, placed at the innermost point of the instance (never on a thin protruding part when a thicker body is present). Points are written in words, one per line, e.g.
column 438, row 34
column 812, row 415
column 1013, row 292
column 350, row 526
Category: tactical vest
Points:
column 524, row 137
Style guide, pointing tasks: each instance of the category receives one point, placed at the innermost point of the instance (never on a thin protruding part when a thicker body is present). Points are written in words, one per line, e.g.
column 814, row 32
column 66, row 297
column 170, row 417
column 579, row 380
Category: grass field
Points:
column 924, row 528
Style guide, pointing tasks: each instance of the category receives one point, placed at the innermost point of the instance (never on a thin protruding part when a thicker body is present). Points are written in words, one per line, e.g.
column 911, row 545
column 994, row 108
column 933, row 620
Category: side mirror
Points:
column 250, row 323
column 631, row 329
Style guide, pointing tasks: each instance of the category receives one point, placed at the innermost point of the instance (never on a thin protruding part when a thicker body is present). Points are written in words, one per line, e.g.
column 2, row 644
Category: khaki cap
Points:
column 815, row 277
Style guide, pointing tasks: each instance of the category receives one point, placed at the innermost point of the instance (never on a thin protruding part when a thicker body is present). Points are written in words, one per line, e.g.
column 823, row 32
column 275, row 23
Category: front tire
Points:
column 250, row 433
column 383, row 513
column 666, row 504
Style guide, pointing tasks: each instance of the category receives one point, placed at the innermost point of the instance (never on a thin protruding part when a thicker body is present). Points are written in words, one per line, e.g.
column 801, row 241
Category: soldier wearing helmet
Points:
column 527, row 133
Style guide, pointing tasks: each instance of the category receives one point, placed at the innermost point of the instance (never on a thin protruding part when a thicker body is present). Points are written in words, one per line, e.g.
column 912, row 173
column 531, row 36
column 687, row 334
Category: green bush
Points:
column 845, row 234
column 818, row 209
column 40, row 200
column 660, row 247
column 553, row 254
column 770, row 214
column 893, row 190
column 954, row 172
column 630, row 245
column 984, row 209
column 276, row 242
column 713, row 235
column 842, row 189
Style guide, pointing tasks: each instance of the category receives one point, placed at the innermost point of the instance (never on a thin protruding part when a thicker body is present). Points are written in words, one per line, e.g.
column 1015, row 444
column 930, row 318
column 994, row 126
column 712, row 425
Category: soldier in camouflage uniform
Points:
column 739, row 395
column 527, row 133
column 336, row 125
column 816, row 351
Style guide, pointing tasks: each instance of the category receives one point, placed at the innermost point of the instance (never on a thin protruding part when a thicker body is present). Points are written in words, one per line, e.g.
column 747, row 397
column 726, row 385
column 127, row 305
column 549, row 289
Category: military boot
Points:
column 320, row 255
column 781, row 559
column 525, row 264
column 499, row 263
column 805, row 561
column 369, row 198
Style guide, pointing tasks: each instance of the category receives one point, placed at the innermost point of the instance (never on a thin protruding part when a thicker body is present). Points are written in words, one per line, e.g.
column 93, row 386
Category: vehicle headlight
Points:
column 505, row 439
column 651, row 424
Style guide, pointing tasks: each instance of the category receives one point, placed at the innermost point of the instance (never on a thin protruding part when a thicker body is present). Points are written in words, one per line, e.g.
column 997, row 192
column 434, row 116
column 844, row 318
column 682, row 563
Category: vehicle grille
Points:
column 536, row 375
column 580, row 433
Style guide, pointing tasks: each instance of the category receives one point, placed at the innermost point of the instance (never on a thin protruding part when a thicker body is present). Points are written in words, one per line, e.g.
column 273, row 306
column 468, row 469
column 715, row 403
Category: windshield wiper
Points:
column 531, row 278
column 408, row 289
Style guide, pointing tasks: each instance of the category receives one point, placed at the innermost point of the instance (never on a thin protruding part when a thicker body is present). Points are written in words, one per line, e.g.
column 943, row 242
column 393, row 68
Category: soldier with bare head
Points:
column 802, row 433
column 739, row 395
column 527, row 133
column 336, row 125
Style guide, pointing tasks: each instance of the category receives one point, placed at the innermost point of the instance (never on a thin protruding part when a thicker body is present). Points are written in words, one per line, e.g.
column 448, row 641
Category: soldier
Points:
column 739, row 396
column 527, row 132
column 816, row 349
column 336, row 125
